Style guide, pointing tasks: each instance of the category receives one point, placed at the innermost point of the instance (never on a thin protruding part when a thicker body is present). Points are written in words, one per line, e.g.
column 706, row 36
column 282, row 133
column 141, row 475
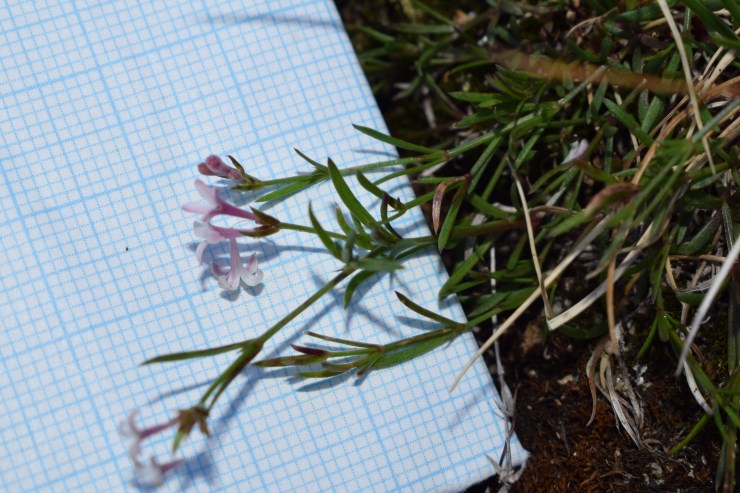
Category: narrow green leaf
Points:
column 583, row 333
column 642, row 14
column 375, row 190
column 343, row 224
column 462, row 270
column 297, row 360
column 354, row 283
column 491, row 102
column 401, row 144
column 648, row 340
column 313, row 163
column 331, row 245
column 449, row 222
column 284, row 191
column 477, row 97
column 693, row 299
column 480, row 116
column 653, row 112
column 194, row 354
column 701, row 240
column 423, row 29
column 711, row 21
column 348, row 197
column 376, row 35
column 643, row 101
column 320, row 374
column 487, row 208
column 384, row 215
column 464, row 67
column 628, row 121
column 377, row 264
column 503, row 300
column 342, row 341
column 433, row 13
column 408, row 353
column 424, row 312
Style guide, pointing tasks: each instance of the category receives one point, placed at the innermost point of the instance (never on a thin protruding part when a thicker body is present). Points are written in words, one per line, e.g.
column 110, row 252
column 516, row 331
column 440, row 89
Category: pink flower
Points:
column 214, row 166
column 228, row 278
column 128, row 429
column 212, row 235
column 152, row 473
column 231, row 279
column 147, row 473
column 216, row 206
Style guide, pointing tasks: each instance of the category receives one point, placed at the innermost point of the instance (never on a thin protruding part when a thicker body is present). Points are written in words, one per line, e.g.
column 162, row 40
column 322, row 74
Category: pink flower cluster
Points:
column 151, row 472
column 229, row 278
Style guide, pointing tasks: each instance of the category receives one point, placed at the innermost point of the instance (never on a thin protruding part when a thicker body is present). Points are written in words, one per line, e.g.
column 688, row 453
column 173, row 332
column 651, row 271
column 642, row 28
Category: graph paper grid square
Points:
column 106, row 109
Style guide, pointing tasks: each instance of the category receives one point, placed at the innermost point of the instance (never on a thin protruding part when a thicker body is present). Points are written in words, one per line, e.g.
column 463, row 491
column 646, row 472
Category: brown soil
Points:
column 554, row 405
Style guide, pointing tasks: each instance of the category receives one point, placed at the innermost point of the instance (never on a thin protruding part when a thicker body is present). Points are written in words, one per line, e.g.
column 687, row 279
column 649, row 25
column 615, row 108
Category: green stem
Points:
column 308, row 229
column 252, row 347
column 472, row 144
column 692, row 434
column 343, row 274
column 476, row 230
column 422, row 337
column 345, row 171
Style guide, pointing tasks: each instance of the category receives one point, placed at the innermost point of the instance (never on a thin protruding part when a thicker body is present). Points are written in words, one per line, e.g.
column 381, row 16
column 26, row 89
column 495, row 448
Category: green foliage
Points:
column 664, row 185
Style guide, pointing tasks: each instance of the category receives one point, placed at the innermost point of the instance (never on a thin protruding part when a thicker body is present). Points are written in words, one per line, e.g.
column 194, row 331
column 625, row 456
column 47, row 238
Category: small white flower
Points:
column 577, row 150
column 231, row 278
column 152, row 473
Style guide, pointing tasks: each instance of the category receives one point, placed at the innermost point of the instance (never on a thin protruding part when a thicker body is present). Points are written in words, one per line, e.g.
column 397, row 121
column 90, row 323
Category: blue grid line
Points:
column 57, row 314
column 170, row 172
column 157, row 50
column 125, row 136
column 148, row 120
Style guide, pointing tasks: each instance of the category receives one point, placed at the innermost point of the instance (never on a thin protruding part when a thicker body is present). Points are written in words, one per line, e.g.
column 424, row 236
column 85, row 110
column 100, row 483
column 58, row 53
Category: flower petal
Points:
column 252, row 275
column 229, row 282
column 577, row 150
column 127, row 428
column 198, row 208
column 200, row 250
column 149, row 473
column 206, row 192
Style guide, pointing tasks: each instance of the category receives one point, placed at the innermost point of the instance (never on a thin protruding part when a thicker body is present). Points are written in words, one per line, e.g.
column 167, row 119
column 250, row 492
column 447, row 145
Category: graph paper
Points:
column 106, row 109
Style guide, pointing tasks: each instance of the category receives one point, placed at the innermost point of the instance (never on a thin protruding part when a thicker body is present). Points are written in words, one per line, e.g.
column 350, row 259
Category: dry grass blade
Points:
column 439, row 194
column 694, row 389
column 578, row 72
column 591, row 372
column 687, row 73
column 724, row 271
column 615, row 387
column 533, row 248
column 610, row 305
column 572, row 255
column 589, row 299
